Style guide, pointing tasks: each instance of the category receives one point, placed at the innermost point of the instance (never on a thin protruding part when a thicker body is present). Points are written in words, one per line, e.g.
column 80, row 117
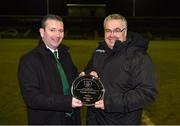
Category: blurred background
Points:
column 152, row 18
column 158, row 20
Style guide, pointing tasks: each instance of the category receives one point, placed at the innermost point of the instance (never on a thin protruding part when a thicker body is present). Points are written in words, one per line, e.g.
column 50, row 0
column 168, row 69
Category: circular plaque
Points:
column 88, row 89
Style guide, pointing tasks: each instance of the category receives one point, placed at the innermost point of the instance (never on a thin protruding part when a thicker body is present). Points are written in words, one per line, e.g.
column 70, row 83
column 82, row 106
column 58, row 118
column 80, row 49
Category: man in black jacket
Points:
column 45, row 78
column 127, row 73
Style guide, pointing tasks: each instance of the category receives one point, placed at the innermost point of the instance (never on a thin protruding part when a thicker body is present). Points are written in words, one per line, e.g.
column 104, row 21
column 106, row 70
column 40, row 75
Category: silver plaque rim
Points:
column 93, row 78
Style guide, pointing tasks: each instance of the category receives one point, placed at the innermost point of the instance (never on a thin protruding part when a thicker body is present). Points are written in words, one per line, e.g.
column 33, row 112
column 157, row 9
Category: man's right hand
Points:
column 76, row 103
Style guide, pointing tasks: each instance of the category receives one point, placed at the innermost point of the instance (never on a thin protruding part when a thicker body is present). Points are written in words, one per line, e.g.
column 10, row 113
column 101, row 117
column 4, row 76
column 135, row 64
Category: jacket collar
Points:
column 118, row 46
column 62, row 49
column 133, row 40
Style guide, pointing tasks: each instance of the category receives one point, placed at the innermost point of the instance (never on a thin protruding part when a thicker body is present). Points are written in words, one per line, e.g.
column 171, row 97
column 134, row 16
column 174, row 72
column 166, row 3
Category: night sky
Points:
column 143, row 7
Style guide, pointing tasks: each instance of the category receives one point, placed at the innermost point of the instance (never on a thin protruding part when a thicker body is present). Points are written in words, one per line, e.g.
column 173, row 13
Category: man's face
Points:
column 114, row 30
column 53, row 33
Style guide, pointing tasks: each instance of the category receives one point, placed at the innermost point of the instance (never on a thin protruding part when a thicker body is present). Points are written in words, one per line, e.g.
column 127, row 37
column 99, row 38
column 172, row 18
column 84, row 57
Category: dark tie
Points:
column 63, row 79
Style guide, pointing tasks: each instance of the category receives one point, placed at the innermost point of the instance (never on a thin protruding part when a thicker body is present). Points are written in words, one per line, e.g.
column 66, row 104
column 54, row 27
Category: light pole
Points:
column 134, row 8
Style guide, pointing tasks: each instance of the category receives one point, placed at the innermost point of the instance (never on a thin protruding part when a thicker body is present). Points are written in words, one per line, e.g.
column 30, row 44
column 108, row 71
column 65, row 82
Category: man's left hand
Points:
column 99, row 104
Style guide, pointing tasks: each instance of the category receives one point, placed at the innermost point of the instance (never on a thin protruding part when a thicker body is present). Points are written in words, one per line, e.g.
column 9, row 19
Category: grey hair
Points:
column 116, row 17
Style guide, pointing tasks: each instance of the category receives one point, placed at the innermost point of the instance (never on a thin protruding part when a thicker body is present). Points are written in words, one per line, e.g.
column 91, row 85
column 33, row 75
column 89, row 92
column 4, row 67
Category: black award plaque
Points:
column 88, row 89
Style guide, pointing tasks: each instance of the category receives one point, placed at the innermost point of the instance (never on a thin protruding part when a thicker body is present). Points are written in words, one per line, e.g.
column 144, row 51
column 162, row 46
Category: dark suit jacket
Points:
column 41, row 86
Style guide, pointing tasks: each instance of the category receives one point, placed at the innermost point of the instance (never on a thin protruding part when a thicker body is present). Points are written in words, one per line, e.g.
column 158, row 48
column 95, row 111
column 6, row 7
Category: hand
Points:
column 94, row 73
column 82, row 73
column 99, row 104
column 76, row 103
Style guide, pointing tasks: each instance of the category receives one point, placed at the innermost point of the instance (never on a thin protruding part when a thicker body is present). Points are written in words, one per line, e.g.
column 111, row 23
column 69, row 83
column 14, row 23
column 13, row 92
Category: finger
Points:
column 99, row 102
column 101, row 106
column 94, row 73
column 76, row 103
column 76, row 100
column 98, row 105
column 82, row 73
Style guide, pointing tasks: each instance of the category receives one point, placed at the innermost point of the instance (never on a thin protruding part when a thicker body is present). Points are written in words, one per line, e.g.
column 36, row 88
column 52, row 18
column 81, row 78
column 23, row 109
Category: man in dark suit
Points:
column 45, row 78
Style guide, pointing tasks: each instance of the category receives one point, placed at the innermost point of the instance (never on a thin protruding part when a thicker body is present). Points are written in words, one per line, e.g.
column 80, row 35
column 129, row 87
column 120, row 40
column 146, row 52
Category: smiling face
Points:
column 53, row 33
column 114, row 29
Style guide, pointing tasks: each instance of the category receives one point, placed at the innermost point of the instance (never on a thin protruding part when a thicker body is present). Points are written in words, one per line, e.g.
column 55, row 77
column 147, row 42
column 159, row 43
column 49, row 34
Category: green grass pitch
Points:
column 165, row 55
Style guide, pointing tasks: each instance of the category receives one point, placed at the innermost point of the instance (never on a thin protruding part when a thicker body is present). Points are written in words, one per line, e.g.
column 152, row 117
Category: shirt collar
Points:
column 52, row 50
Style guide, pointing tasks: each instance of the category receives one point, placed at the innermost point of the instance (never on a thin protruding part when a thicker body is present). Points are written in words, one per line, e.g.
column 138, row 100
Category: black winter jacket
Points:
column 41, row 86
column 129, row 78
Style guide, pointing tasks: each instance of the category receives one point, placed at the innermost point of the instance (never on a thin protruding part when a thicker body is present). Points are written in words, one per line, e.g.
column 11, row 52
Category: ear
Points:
column 41, row 31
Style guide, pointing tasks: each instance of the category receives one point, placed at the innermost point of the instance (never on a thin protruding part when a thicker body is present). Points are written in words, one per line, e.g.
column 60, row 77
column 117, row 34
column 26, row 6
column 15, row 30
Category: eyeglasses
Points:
column 115, row 31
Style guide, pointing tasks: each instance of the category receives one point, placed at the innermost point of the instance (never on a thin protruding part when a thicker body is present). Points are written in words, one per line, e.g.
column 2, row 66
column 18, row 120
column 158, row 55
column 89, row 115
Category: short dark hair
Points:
column 50, row 16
